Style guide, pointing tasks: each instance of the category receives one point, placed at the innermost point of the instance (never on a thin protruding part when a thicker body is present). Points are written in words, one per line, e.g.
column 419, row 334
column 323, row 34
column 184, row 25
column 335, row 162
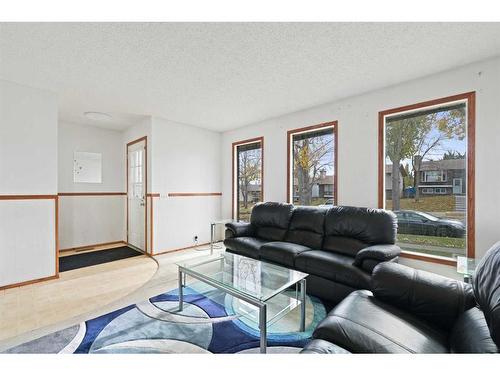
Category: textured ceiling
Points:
column 223, row 76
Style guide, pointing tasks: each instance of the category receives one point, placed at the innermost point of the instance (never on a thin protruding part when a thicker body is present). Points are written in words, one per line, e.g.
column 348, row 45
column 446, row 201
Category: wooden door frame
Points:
column 470, row 99
column 145, row 139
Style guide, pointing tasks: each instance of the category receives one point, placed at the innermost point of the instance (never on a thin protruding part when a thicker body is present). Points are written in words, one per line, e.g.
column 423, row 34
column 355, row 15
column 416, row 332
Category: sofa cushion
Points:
column 271, row 220
column 349, row 229
column 306, row 226
column 486, row 282
column 281, row 252
column 470, row 334
column 334, row 267
column 362, row 324
column 247, row 246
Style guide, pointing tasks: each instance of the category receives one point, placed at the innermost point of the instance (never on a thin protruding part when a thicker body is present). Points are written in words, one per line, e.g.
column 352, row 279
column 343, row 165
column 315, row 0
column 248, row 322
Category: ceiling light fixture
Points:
column 98, row 116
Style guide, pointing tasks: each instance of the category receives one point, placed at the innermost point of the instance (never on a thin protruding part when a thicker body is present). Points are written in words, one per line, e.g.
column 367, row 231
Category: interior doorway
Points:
column 136, row 193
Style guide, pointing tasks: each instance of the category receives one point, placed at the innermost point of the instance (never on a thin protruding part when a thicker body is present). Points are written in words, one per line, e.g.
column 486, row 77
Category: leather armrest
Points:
column 239, row 229
column 380, row 253
column 431, row 297
column 319, row 346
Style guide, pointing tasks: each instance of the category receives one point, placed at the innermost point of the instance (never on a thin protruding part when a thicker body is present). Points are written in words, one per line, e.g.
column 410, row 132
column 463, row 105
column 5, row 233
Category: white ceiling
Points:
column 225, row 75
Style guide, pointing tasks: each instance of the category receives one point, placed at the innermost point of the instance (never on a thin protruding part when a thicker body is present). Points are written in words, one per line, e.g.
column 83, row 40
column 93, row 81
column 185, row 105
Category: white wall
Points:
column 88, row 220
column 74, row 137
column 185, row 159
column 28, row 166
column 358, row 142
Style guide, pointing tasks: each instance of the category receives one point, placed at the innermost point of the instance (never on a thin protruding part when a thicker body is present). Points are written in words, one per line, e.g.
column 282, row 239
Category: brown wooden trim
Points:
column 193, row 194
column 471, row 175
column 381, row 160
column 53, row 277
column 145, row 139
column 90, row 247
column 56, row 203
column 84, row 194
column 181, row 248
column 25, row 197
column 151, row 225
column 154, row 195
column 290, row 133
column 233, row 183
column 429, row 258
column 470, row 97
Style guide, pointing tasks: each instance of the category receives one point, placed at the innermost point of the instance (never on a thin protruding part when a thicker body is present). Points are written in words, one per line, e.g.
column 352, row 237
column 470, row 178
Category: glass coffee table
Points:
column 260, row 287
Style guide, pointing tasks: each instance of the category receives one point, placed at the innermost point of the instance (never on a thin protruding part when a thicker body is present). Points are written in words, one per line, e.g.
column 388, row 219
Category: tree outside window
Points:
column 312, row 174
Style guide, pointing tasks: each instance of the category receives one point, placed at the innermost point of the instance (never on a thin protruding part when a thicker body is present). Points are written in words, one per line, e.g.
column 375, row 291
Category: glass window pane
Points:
column 425, row 179
column 313, row 167
column 249, row 178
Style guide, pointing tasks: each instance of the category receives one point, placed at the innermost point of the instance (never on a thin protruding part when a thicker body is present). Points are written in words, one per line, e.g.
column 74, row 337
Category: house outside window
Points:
column 427, row 150
column 434, row 176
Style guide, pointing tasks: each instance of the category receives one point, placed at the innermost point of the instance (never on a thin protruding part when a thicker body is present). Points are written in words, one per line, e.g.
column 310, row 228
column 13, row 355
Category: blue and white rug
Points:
column 206, row 325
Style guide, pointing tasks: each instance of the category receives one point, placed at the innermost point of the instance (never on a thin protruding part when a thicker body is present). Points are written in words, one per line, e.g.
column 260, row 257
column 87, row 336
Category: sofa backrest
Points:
column 307, row 226
column 271, row 220
column 486, row 284
column 350, row 229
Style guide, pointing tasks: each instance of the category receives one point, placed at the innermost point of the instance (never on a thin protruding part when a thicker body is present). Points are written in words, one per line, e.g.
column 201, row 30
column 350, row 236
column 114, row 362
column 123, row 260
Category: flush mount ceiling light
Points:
column 98, row 116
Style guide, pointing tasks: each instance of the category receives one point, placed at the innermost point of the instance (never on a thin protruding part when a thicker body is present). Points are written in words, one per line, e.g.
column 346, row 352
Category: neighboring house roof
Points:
column 402, row 170
column 253, row 187
column 439, row 165
column 327, row 180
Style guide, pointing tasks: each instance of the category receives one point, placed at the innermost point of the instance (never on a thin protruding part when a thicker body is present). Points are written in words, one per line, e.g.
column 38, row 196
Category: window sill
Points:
column 429, row 258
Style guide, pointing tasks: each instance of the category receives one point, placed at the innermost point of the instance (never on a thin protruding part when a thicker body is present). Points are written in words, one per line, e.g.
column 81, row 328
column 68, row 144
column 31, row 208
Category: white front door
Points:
column 457, row 186
column 136, row 195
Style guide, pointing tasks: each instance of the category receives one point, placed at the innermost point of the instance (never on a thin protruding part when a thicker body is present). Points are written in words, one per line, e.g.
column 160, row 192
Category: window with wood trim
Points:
column 312, row 165
column 248, row 159
column 426, row 176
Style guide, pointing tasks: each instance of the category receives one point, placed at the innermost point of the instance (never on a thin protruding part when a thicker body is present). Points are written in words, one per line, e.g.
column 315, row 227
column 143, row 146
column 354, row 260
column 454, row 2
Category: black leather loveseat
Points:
column 338, row 246
column 412, row 311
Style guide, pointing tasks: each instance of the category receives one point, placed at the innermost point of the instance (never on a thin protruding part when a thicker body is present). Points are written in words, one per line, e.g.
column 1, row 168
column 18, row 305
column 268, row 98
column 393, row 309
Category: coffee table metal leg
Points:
column 181, row 292
column 263, row 328
column 303, row 305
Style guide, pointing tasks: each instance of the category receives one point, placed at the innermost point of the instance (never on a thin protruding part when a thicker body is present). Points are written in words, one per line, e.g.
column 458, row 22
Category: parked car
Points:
column 424, row 224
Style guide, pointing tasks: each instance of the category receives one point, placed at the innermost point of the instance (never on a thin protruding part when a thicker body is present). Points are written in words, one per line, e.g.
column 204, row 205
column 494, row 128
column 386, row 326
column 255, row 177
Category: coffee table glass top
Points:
column 251, row 277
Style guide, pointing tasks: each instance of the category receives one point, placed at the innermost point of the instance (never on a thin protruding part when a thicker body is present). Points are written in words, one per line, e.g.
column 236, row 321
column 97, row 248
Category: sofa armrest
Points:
column 380, row 253
column 239, row 229
column 437, row 299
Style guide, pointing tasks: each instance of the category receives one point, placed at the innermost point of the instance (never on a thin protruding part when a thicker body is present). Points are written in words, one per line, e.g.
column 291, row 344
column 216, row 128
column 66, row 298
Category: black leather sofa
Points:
column 338, row 246
column 412, row 311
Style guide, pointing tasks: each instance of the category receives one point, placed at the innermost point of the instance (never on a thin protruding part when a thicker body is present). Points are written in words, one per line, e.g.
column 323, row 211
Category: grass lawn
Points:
column 450, row 242
column 444, row 203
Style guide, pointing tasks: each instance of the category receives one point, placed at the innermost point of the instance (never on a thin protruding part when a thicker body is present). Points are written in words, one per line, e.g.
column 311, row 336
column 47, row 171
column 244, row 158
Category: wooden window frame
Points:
column 290, row 133
column 470, row 99
column 233, row 168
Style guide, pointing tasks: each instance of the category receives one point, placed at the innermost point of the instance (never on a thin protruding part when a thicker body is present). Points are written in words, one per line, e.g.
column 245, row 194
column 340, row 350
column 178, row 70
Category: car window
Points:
column 416, row 217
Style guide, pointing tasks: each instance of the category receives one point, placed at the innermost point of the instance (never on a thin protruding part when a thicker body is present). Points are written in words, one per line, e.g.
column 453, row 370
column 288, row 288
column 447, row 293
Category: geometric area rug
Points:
column 207, row 324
